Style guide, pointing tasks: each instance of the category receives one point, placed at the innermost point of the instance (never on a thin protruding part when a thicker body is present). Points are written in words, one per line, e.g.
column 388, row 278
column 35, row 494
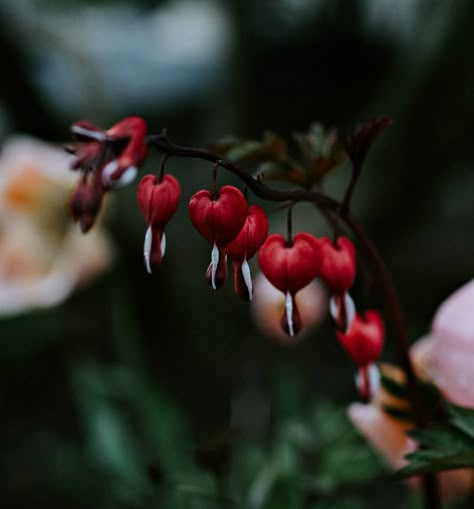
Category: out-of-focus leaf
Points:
column 423, row 462
column 462, row 418
column 271, row 148
column 108, row 439
column 272, row 170
column 447, row 446
column 322, row 150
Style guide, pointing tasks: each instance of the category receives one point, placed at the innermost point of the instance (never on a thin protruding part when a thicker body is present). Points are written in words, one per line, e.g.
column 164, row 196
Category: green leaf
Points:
column 447, row 446
column 422, row 464
column 462, row 418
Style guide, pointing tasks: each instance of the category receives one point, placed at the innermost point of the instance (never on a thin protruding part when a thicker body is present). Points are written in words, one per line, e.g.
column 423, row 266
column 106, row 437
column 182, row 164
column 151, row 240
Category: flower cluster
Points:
column 107, row 160
column 110, row 159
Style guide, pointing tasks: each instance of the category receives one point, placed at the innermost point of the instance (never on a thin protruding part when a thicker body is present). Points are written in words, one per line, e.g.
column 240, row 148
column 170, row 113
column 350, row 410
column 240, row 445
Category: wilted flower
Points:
column 42, row 256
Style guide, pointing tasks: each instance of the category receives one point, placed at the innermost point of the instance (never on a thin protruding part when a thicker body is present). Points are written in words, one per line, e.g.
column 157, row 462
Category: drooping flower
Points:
column 218, row 217
column 108, row 160
column 244, row 246
column 364, row 342
column 290, row 267
column 158, row 202
column 42, row 256
column 338, row 270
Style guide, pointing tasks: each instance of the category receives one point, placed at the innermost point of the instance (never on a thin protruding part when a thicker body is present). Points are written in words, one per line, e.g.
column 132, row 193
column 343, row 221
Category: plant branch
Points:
column 340, row 213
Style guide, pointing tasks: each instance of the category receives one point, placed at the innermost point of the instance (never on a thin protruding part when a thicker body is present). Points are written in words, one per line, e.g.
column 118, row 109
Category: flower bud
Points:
column 85, row 203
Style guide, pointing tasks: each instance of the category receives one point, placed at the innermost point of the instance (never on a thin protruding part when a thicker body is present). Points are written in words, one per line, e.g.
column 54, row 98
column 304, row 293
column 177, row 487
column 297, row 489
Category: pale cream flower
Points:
column 445, row 358
column 268, row 305
column 43, row 255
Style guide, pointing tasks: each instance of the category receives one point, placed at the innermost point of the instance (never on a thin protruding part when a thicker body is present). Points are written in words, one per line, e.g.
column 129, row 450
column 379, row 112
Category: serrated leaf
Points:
column 462, row 418
column 447, row 439
column 421, row 463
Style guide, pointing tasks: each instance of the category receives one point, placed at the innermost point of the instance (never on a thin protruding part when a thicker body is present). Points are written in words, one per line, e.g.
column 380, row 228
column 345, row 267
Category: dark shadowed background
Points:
column 154, row 391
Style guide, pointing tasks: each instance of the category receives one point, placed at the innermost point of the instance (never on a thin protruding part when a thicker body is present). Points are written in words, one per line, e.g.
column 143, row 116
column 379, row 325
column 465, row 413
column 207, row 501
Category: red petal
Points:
column 251, row 236
column 365, row 338
column 290, row 268
column 338, row 267
column 218, row 219
column 158, row 201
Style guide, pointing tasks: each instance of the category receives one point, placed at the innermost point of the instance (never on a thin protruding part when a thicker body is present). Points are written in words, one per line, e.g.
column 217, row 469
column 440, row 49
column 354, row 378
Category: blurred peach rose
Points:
column 445, row 357
column 268, row 305
column 43, row 255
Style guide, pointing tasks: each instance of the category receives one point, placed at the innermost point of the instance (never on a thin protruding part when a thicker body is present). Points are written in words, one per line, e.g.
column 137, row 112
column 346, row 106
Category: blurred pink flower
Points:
column 43, row 255
column 446, row 358
column 268, row 306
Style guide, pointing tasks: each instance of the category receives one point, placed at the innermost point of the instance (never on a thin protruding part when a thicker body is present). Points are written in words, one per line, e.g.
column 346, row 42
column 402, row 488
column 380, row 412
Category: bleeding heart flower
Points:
column 123, row 170
column 338, row 268
column 244, row 246
column 218, row 217
column 290, row 267
column 107, row 160
column 158, row 202
column 364, row 342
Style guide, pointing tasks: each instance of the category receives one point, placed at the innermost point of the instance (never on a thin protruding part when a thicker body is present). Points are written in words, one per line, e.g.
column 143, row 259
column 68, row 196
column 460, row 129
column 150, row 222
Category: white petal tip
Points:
column 247, row 278
column 147, row 249
column 126, row 178
column 89, row 133
column 214, row 264
column 289, row 313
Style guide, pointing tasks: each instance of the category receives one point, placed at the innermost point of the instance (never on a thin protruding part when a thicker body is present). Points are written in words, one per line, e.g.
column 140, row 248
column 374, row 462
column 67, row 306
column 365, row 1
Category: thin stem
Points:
column 289, row 226
column 162, row 167
column 346, row 201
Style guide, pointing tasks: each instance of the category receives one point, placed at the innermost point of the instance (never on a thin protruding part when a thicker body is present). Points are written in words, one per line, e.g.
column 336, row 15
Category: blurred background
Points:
column 119, row 389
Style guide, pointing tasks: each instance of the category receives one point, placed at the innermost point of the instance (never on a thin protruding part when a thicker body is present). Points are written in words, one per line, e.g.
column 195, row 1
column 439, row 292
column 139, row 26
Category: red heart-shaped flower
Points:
column 158, row 202
column 338, row 267
column 365, row 338
column 290, row 268
column 218, row 217
column 244, row 246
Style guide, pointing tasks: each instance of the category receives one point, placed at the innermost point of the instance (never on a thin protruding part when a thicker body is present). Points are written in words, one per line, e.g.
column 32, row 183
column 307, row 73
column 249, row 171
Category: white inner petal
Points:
column 349, row 307
column 333, row 307
column 350, row 310
column 128, row 176
column 214, row 263
column 95, row 135
column 373, row 379
column 163, row 244
column 147, row 249
column 109, row 168
column 289, row 313
column 247, row 277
